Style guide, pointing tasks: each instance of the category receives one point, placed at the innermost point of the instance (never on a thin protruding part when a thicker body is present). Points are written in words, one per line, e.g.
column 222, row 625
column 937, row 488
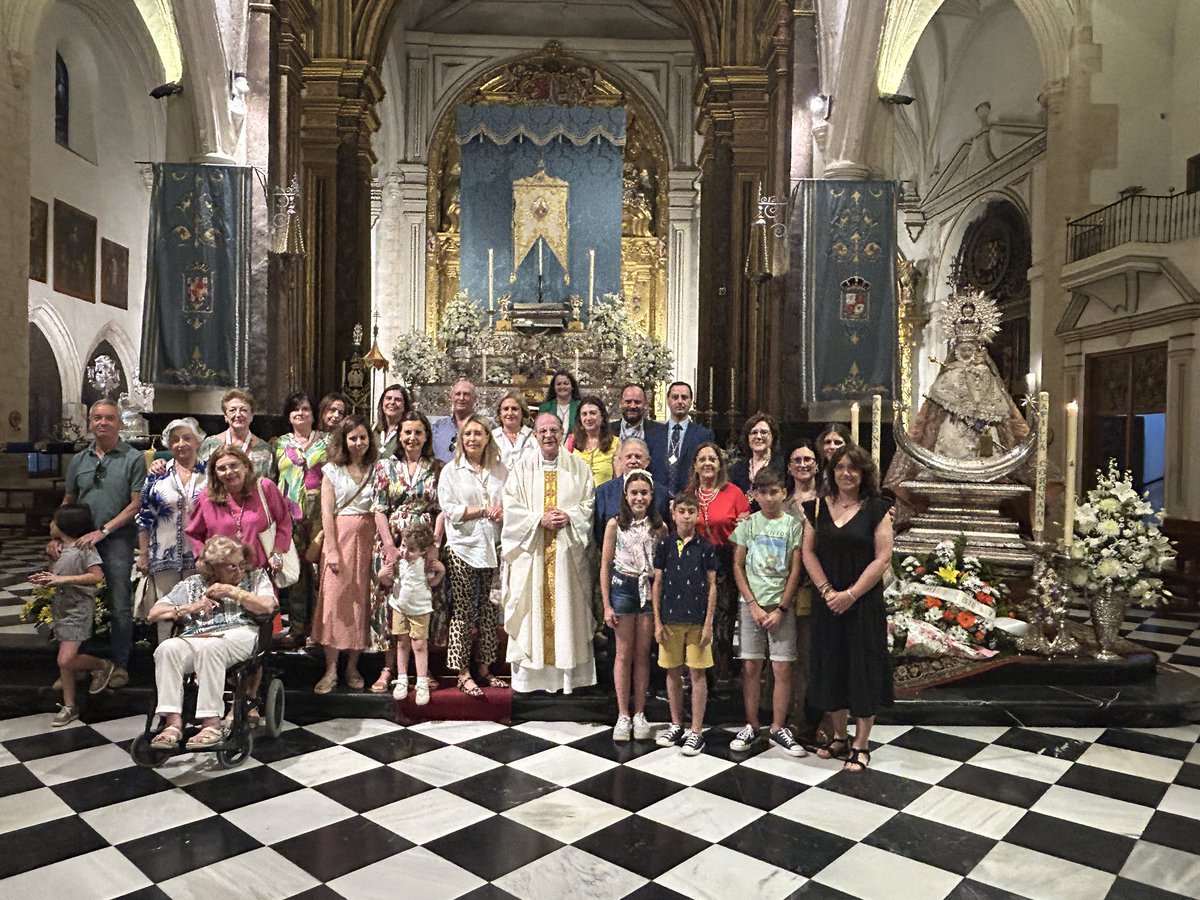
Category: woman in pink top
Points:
column 231, row 506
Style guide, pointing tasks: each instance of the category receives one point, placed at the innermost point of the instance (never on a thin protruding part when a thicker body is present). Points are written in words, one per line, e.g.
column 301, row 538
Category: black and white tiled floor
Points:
column 364, row 808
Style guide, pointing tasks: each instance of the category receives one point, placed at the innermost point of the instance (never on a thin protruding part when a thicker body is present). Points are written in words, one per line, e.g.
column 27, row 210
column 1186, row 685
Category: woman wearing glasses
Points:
column 760, row 437
column 238, row 408
column 801, row 478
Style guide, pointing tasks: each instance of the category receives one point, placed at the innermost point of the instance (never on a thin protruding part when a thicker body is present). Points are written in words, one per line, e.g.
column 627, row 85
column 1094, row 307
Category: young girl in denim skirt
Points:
column 626, row 572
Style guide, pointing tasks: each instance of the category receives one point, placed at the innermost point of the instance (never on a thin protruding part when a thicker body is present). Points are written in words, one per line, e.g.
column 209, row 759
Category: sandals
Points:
column 381, row 683
column 492, row 681
column 208, row 736
column 826, row 750
column 467, row 685
column 858, row 760
column 354, row 681
column 326, row 684
column 168, row 738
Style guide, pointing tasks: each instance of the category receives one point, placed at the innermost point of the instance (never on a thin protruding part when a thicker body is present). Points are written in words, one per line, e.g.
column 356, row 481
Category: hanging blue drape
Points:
column 580, row 145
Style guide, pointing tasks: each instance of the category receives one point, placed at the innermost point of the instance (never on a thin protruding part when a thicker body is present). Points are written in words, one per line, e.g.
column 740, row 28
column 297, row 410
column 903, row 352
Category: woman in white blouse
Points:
column 469, row 492
column 513, row 437
column 166, row 556
column 342, row 618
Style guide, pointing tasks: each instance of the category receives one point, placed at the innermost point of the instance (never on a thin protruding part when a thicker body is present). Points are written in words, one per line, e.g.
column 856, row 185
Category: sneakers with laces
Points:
column 65, row 715
column 670, row 736
column 744, row 739
column 693, row 744
column 422, row 698
column 400, row 691
column 641, row 728
column 101, row 677
column 623, row 730
column 784, row 740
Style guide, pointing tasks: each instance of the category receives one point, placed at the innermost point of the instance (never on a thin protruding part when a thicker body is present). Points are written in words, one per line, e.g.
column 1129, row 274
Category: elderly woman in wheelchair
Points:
column 217, row 613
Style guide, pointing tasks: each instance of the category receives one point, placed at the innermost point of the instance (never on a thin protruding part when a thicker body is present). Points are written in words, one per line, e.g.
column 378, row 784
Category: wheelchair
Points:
column 239, row 698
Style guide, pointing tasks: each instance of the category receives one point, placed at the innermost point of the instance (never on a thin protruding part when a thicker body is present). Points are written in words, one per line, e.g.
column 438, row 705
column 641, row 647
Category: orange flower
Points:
column 982, row 597
column 948, row 615
column 920, row 570
column 979, row 636
column 966, row 619
column 932, row 602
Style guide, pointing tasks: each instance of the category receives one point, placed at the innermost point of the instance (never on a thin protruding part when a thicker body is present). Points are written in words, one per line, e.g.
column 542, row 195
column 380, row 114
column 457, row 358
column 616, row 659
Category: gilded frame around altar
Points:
column 552, row 75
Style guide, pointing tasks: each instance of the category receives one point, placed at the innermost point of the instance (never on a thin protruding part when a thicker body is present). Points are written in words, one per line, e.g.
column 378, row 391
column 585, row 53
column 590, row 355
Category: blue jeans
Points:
column 116, row 556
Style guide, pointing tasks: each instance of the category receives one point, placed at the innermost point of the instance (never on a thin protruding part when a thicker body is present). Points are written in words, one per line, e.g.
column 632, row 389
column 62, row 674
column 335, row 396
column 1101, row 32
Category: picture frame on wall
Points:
column 114, row 274
column 39, row 236
column 74, row 252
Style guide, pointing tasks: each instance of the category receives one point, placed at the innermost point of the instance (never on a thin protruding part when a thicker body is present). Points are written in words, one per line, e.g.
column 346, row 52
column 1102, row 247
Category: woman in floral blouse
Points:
column 405, row 493
column 299, row 457
column 166, row 556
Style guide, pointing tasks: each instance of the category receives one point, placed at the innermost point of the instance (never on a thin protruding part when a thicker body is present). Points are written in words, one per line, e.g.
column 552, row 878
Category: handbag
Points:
column 289, row 572
column 315, row 546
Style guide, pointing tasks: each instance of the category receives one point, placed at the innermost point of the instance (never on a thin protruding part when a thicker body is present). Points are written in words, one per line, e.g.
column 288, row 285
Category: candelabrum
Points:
column 576, row 302
column 133, row 404
column 1048, row 606
column 505, row 321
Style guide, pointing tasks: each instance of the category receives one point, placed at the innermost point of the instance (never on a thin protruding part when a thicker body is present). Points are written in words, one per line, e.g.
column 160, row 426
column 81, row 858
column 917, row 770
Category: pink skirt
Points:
column 343, row 614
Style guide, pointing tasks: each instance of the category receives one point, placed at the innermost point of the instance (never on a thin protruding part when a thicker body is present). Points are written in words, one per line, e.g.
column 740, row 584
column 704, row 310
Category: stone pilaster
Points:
column 14, row 249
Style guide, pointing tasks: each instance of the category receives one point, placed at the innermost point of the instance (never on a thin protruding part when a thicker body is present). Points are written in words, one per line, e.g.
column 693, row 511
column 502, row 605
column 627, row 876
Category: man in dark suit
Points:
column 633, row 421
column 673, row 447
column 633, row 455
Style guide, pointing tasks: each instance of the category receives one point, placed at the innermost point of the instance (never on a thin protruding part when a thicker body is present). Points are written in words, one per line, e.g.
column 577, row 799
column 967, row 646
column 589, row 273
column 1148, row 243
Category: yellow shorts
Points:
column 416, row 627
column 681, row 645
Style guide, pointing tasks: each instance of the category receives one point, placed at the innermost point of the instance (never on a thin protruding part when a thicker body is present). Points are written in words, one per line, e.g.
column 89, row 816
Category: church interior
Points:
column 966, row 230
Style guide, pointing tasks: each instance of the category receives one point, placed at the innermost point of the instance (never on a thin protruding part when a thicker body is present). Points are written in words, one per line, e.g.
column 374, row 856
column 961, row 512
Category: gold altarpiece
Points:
column 552, row 76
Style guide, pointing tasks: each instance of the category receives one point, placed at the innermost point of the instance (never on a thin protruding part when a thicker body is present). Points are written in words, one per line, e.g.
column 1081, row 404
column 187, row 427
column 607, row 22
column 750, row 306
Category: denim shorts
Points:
column 624, row 595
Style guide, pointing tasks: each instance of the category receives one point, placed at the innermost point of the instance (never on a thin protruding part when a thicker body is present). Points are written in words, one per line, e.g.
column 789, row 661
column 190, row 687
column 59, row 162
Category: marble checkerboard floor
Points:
column 361, row 808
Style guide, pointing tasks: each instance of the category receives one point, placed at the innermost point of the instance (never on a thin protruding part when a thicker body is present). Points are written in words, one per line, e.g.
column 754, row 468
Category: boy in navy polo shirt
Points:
column 684, row 597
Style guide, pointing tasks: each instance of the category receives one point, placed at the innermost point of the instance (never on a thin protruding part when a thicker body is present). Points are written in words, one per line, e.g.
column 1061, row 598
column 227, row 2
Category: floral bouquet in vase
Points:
column 416, row 360
column 947, row 604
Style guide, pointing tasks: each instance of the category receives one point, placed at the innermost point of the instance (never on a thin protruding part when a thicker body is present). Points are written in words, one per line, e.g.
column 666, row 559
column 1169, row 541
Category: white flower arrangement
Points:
column 609, row 322
column 1117, row 543
column 417, row 360
column 462, row 320
column 648, row 361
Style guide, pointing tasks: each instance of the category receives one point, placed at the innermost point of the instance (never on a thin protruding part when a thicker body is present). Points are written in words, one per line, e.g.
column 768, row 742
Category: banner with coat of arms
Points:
column 843, row 246
column 197, row 276
column 540, row 211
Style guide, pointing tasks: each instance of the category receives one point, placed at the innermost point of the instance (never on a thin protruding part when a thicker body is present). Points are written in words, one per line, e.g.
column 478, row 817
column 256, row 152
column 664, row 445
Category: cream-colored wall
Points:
column 1150, row 69
column 108, row 93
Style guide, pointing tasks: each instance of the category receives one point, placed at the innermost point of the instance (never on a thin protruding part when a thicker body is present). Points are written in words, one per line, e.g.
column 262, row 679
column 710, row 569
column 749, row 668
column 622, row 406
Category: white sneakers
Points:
column 421, row 695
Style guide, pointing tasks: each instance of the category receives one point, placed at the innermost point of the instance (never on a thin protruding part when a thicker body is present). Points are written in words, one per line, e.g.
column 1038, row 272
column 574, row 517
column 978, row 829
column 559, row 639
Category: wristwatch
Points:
column 104, row 531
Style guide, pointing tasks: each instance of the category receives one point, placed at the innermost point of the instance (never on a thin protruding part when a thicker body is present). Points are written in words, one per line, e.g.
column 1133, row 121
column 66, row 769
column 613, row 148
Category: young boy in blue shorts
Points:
column 684, row 596
column 766, row 569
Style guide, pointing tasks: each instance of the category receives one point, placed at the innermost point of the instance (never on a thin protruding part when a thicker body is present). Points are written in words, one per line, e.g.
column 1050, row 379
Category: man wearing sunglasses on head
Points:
column 107, row 477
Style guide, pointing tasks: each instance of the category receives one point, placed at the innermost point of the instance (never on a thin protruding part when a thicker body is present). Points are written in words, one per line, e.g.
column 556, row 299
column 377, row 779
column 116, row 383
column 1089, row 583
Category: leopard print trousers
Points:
column 472, row 608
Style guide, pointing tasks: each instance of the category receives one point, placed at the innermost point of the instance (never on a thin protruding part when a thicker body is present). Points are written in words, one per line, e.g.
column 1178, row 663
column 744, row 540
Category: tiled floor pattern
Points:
column 365, row 808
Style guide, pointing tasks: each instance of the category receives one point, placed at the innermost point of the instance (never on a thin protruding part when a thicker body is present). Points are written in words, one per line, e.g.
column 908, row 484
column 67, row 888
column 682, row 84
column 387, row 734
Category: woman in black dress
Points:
column 846, row 550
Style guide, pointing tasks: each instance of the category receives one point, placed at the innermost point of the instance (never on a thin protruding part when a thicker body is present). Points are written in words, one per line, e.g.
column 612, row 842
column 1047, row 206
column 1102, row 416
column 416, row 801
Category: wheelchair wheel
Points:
column 273, row 711
column 146, row 756
column 231, row 759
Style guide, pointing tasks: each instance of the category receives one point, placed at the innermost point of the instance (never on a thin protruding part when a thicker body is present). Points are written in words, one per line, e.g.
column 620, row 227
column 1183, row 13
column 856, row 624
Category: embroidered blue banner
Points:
column 197, row 276
column 843, row 254
column 502, row 209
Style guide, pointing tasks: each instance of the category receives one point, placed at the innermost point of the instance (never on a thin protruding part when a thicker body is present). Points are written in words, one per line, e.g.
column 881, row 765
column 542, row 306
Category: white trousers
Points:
column 208, row 657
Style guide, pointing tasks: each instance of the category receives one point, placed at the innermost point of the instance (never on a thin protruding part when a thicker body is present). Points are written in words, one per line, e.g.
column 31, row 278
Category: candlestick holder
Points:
column 505, row 321
column 576, row 302
column 1048, row 606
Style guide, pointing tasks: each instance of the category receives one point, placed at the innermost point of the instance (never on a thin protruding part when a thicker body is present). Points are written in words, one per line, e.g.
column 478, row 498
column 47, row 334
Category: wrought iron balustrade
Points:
column 1143, row 218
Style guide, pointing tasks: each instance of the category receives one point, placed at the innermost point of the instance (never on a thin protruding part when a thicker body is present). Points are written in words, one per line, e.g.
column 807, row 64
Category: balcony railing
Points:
column 1140, row 218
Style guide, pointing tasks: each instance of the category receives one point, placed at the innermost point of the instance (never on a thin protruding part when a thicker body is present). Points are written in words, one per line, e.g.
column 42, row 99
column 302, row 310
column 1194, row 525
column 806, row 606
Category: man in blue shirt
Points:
column 633, row 455
column 673, row 448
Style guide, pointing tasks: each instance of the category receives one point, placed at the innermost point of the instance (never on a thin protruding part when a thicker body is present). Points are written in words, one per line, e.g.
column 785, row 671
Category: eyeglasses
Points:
column 760, row 432
column 803, row 461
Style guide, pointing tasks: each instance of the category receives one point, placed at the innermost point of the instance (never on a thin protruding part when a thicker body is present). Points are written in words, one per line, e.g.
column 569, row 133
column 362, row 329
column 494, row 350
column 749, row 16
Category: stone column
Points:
column 400, row 257
column 268, row 362
column 339, row 119
column 14, row 249
column 683, row 210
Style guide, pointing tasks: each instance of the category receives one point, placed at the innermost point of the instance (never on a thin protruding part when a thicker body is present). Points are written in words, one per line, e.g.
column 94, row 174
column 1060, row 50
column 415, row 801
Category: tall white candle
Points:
column 484, row 379
column 539, row 240
column 591, row 278
column 876, row 428
column 576, row 363
column 1069, row 475
column 491, row 279
column 854, row 421
column 1039, row 492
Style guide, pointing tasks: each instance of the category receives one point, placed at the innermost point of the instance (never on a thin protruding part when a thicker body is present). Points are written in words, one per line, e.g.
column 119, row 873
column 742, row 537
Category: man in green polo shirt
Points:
column 107, row 477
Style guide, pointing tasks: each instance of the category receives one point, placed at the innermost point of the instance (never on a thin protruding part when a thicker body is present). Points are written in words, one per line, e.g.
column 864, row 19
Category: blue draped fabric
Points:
column 592, row 170
column 198, row 277
column 843, row 247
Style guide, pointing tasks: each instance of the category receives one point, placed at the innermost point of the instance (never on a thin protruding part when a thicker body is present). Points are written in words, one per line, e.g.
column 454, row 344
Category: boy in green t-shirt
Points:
column 766, row 568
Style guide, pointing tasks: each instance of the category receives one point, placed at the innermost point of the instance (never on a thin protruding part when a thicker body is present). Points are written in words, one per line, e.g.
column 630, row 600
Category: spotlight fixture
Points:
column 897, row 99
column 818, row 105
column 166, row 90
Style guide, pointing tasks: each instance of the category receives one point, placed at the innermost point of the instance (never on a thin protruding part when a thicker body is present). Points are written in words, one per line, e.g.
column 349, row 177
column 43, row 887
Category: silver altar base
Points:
column 535, row 317
column 972, row 510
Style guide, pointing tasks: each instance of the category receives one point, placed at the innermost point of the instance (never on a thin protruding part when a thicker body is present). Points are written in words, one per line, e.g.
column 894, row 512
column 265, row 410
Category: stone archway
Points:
column 45, row 387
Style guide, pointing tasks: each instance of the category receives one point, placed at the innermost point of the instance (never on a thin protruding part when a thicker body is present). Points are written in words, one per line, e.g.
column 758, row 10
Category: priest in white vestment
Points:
column 548, row 588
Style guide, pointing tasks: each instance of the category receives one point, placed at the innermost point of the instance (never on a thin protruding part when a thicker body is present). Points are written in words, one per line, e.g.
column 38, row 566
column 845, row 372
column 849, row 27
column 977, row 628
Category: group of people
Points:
column 410, row 532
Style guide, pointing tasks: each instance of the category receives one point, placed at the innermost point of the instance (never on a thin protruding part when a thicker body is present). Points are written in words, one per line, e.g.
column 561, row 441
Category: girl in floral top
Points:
column 405, row 493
